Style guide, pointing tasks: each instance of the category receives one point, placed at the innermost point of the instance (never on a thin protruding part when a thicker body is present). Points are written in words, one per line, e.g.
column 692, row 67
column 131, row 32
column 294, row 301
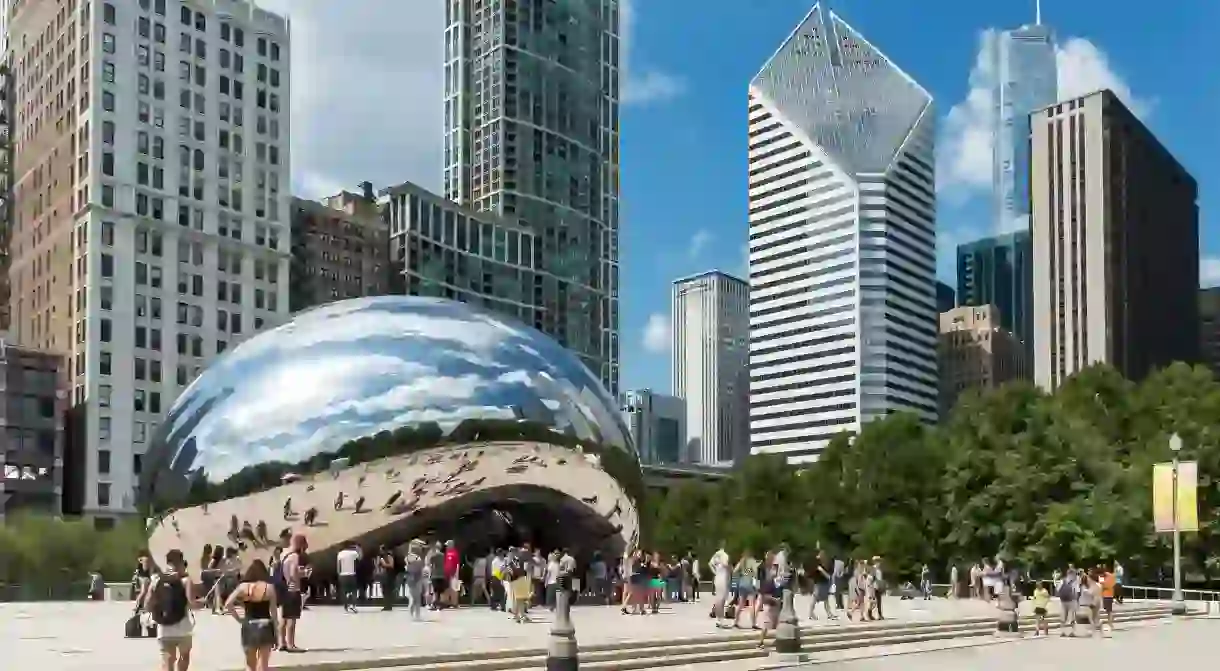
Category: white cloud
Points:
column 964, row 160
column 657, row 333
column 1085, row 68
column 698, row 243
column 1209, row 271
column 641, row 85
column 367, row 92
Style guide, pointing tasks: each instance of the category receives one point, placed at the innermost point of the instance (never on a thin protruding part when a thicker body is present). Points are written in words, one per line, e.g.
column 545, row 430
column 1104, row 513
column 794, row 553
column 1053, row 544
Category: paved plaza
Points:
column 88, row 636
column 1183, row 645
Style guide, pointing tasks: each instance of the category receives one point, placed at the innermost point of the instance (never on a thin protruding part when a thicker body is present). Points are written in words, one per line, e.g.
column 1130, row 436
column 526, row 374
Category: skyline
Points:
column 683, row 147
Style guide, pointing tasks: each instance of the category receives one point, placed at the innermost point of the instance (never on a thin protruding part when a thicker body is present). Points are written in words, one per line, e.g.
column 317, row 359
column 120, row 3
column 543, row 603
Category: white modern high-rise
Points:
column 710, row 331
column 151, row 215
column 842, row 211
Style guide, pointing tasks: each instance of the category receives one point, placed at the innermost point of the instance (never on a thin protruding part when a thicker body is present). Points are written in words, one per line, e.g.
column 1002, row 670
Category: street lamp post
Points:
column 1178, row 605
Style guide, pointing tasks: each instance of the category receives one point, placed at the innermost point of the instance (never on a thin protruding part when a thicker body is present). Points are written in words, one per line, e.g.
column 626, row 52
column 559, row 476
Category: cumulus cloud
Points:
column 657, row 333
column 964, row 161
column 698, row 243
column 641, row 84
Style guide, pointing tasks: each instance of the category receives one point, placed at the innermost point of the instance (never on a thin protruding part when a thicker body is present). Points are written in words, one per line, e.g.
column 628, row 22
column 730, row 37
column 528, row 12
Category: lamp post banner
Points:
column 1162, row 496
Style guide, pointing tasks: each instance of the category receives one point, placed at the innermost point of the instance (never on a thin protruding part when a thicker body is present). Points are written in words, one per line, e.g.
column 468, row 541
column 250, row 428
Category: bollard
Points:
column 561, row 649
column 788, row 631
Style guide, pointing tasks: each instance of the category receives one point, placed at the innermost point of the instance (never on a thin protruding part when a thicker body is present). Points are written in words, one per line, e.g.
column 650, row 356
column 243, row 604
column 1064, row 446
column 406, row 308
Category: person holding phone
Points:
column 295, row 575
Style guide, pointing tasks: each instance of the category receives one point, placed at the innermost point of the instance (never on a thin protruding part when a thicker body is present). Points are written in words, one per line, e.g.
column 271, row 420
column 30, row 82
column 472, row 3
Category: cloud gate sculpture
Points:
column 379, row 420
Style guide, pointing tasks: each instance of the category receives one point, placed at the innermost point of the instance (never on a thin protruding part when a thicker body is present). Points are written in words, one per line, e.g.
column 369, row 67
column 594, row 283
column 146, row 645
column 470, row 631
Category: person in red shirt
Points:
column 452, row 563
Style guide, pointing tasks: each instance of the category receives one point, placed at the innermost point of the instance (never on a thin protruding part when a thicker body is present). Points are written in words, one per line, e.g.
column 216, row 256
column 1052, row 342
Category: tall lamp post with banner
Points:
column 1175, row 508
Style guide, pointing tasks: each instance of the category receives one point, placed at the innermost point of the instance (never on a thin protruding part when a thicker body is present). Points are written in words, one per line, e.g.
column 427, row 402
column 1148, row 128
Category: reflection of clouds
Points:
column 357, row 367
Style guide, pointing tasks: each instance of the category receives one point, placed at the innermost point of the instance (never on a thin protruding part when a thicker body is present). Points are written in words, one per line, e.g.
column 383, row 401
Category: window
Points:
column 103, row 462
column 107, row 101
column 108, row 132
column 108, row 43
column 103, row 488
column 108, row 72
column 107, row 265
column 108, row 233
column 103, row 425
column 103, row 394
column 103, row 367
column 105, row 329
column 108, row 13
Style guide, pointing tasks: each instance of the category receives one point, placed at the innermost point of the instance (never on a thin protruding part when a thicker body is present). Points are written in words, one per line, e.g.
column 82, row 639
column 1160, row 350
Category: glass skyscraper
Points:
column 842, row 216
column 999, row 271
column 1026, row 80
column 532, row 134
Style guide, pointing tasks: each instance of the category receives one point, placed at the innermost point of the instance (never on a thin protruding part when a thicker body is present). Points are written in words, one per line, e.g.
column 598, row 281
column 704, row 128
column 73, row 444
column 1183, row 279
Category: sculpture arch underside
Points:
column 409, row 496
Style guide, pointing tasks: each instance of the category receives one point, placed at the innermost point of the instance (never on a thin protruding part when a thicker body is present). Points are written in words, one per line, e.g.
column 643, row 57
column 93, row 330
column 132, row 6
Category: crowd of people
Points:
column 268, row 598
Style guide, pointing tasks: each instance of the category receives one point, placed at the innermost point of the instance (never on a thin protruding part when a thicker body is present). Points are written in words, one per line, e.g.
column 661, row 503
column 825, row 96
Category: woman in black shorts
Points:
column 258, row 621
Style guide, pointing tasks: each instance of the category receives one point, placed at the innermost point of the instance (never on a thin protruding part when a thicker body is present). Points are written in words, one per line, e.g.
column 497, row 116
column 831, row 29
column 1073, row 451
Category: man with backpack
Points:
column 1068, row 593
column 170, row 600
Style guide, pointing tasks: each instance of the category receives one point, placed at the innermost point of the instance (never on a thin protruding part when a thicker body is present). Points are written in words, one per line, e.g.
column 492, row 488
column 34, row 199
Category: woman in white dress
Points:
column 721, row 569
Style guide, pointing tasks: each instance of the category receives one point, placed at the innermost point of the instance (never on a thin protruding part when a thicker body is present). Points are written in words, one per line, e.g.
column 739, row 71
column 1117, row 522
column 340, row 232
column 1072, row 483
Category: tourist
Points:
column 822, row 573
column 1107, row 585
column 258, row 622
column 539, row 576
column 413, row 577
column 453, row 583
column 521, row 587
column 721, row 577
column 498, row 596
column 435, row 562
column 925, row 582
column 878, row 585
column 387, row 576
column 346, row 562
column 769, row 594
column 169, row 600
column 1119, row 574
column 550, row 579
column 746, row 573
column 598, row 572
column 1069, row 594
column 656, row 582
column 1041, row 599
column 635, row 584
column 953, row 586
column 1089, row 602
column 295, row 573
column 478, row 579
column 696, row 575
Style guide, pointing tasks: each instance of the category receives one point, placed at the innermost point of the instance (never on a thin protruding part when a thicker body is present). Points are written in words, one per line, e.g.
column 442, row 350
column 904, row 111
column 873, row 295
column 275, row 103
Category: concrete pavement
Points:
column 88, row 636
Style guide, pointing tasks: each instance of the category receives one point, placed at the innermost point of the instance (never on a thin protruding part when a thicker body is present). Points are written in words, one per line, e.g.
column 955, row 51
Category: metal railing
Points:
column 1129, row 592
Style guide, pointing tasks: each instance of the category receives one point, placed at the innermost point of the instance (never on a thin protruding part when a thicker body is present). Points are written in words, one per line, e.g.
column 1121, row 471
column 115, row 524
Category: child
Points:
column 1042, row 598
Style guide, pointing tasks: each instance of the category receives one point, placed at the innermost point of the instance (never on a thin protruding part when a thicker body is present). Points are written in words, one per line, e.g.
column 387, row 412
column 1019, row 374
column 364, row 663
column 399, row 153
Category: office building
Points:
column 842, row 211
column 658, row 426
column 710, row 358
column 7, row 94
column 1026, row 79
column 532, row 133
column 152, row 178
column 340, row 249
column 439, row 248
column 1116, row 244
column 999, row 271
column 32, row 452
column 946, row 297
column 1209, row 329
column 977, row 352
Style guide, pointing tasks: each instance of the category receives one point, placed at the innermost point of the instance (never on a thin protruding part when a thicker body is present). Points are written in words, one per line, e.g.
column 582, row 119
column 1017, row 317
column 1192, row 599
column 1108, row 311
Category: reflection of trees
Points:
column 617, row 462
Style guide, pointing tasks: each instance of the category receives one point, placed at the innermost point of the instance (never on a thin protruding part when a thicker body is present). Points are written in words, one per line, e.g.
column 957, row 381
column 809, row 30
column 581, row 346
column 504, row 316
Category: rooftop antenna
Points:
column 1037, row 12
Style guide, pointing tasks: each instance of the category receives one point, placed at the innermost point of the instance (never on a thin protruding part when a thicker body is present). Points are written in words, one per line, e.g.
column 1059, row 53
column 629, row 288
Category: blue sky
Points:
column 683, row 148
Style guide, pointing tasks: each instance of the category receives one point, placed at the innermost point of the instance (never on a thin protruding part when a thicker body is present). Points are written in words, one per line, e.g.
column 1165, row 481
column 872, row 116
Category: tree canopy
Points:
column 1041, row 479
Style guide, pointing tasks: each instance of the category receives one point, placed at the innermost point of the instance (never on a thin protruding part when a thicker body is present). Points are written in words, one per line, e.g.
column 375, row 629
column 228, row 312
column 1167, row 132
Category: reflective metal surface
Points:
column 355, row 368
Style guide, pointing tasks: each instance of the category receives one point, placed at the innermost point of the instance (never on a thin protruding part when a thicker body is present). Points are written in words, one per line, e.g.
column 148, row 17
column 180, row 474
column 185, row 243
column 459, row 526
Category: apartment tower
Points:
column 1115, row 241
column 151, row 211
column 710, row 358
column 842, row 211
column 340, row 249
column 532, row 133
column 977, row 352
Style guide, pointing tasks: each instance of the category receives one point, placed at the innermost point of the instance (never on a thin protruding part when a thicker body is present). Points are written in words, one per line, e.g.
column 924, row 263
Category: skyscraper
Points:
column 999, row 271
column 532, row 133
column 842, row 198
column 1026, row 80
column 710, row 331
column 1116, row 244
column 139, row 250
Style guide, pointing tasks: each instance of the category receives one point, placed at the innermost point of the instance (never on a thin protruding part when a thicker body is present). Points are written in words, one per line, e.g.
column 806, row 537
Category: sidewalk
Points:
column 88, row 636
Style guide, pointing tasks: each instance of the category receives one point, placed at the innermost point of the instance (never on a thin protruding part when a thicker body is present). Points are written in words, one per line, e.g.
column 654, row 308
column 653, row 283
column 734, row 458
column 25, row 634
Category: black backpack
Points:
column 169, row 601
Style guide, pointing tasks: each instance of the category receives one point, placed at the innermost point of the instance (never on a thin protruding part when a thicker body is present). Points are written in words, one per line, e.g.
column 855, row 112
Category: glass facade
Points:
column 1026, row 80
column 532, row 133
column 999, row 271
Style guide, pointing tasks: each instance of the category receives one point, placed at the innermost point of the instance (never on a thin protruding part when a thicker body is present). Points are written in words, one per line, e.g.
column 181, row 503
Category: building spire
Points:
column 1037, row 12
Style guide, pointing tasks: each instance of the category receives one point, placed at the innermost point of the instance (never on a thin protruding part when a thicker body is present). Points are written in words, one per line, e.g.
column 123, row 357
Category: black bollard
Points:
column 788, row 631
column 561, row 649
